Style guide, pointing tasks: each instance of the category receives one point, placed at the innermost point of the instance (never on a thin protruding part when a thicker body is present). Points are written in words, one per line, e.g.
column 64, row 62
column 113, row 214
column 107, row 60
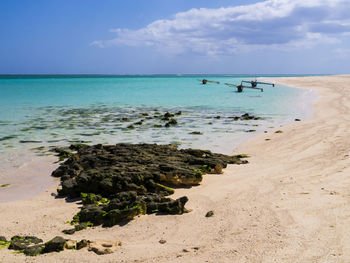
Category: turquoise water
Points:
column 57, row 110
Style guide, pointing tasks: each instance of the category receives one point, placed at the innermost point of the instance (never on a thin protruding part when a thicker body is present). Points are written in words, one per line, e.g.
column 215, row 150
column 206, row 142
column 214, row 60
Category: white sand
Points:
column 289, row 204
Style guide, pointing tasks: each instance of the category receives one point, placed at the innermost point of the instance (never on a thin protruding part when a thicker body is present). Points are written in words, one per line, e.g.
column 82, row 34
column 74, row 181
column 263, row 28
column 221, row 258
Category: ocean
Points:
column 39, row 112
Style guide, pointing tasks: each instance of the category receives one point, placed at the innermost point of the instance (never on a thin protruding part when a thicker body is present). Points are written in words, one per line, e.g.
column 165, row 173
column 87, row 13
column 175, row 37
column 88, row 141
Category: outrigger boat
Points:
column 240, row 87
column 205, row 81
column 253, row 84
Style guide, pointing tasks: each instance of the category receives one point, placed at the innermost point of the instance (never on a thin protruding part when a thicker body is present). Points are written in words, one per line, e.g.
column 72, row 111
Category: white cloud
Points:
column 281, row 24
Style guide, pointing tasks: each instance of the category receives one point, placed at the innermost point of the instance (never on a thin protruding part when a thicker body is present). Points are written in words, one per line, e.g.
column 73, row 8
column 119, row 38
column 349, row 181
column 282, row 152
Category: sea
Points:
column 38, row 113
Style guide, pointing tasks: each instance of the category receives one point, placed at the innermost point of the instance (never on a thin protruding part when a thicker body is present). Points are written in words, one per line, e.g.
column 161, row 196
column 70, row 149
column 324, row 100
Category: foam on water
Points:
column 43, row 111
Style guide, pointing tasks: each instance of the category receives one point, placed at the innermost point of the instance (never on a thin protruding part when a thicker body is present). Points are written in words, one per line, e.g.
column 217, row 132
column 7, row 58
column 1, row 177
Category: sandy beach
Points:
column 289, row 204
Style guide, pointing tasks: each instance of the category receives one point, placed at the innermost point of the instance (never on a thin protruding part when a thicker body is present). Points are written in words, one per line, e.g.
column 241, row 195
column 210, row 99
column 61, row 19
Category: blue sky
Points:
column 174, row 36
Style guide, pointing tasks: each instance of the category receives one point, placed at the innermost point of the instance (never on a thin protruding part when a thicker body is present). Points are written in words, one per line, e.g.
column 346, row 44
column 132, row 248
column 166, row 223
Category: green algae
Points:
column 166, row 188
column 29, row 141
column 5, row 185
column 90, row 198
column 4, row 244
column 5, row 138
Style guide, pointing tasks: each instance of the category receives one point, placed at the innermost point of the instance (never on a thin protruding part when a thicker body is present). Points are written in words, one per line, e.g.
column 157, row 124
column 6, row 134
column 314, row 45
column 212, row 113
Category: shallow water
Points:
column 38, row 112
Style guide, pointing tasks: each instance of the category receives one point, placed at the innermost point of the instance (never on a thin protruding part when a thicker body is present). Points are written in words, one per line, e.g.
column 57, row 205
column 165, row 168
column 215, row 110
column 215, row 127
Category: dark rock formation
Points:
column 22, row 242
column 54, row 245
column 33, row 246
column 34, row 250
column 119, row 182
column 245, row 117
column 171, row 122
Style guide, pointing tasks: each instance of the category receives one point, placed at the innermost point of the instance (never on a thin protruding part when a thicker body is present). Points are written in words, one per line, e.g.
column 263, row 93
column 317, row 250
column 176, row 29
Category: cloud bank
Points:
column 278, row 24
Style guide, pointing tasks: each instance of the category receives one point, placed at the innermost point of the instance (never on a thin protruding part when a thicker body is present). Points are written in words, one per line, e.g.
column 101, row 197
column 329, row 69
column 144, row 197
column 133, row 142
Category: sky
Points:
column 174, row 36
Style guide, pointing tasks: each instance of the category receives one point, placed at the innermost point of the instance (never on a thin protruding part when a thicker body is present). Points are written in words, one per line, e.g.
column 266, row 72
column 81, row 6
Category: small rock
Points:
column 162, row 241
column 22, row 242
column 70, row 244
column 18, row 245
column 34, row 250
column 102, row 247
column 139, row 122
column 168, row 115
column 171, row 122
column 185, row 250
column 69, row 231
column 56, row 244
column 279, row 131
column 209, row 214
column 297, row 120
column 196, row 133
column 82, row 243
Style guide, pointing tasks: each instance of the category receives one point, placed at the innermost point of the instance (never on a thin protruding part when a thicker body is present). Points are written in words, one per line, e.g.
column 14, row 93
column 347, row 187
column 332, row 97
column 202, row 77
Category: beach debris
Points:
column 297, row 119
column 196, row 133
column 118, row 182
column 279, row 131
column 209, row 213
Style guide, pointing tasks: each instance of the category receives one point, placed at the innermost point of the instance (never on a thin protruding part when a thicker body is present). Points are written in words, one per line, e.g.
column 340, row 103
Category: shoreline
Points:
column 290, row 203
column 26, row 182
